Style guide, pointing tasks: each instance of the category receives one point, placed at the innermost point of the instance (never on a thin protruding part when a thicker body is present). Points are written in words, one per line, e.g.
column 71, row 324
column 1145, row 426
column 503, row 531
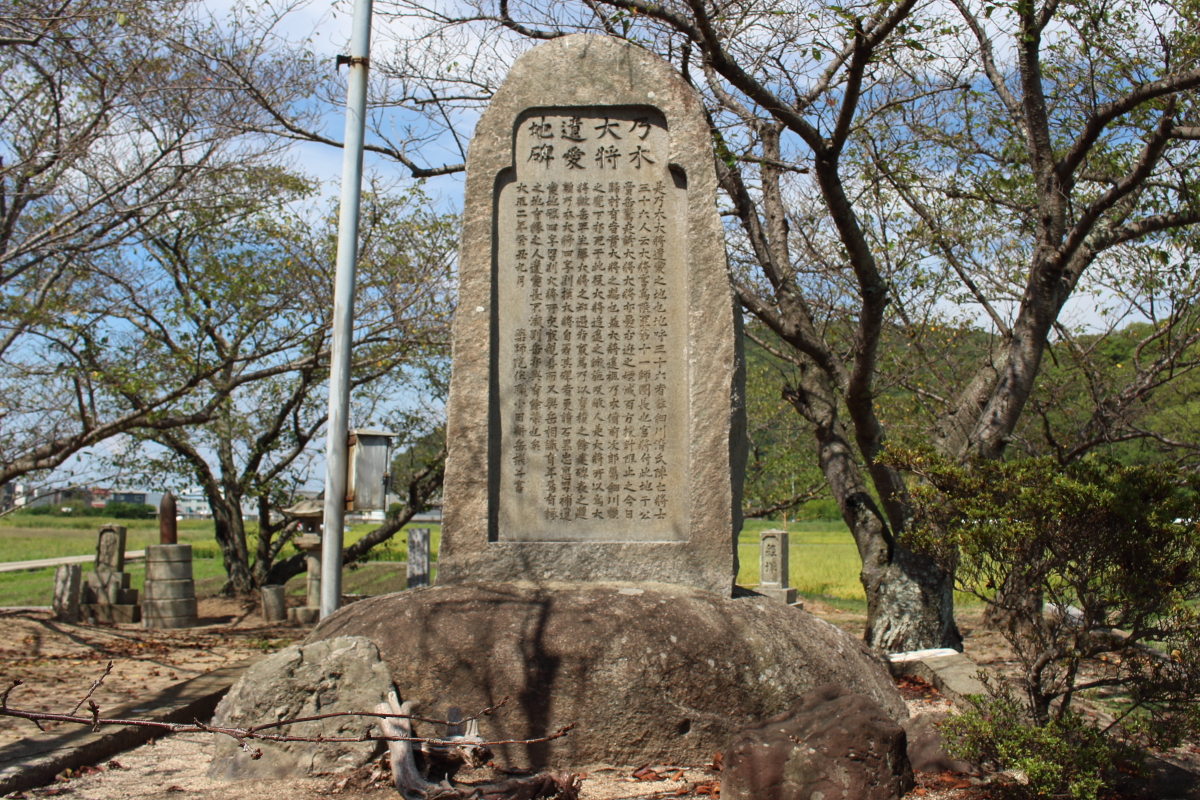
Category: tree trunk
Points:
column 910, row 600
column 230, row 532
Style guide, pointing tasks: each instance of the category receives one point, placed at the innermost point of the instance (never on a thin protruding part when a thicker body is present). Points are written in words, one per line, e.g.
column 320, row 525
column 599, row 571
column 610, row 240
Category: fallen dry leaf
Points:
column 644, row 773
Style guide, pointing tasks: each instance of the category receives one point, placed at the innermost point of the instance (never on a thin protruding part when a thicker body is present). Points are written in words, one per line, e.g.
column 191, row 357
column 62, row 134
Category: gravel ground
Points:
column 60, row 662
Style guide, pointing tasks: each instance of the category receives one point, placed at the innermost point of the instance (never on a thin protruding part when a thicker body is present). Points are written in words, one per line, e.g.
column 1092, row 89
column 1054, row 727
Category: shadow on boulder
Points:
column 647, row 671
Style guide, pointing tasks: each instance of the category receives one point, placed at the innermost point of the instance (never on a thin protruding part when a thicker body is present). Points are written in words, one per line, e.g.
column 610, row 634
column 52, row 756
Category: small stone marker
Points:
column 595, row 422
column 110, row 549
column 773, row 566
column 106, row 593
column 274, row 602
column 66, row 592
column 418, row 557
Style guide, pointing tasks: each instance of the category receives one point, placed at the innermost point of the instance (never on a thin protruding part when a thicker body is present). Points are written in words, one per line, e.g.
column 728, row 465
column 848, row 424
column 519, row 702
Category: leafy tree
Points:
column 104, row 133
column 879, row 162
column 1111, row 558
column 251, row 288
column 780, row 471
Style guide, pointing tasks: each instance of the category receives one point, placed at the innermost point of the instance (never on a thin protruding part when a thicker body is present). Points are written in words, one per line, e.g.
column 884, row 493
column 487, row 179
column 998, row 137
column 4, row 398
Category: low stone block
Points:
column 168, row 552
column 168, row 570
column 115, row 614
column 178, row 607
column 169, row 590
column 304, row 615
column 105, row 586
column 787, row 596
column 168, row 623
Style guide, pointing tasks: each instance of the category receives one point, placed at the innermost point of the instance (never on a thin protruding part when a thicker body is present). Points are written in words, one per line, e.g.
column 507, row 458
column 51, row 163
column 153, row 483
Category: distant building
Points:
column 96, row 498
column 194, row 504
column 132, row 498
column 13, row 495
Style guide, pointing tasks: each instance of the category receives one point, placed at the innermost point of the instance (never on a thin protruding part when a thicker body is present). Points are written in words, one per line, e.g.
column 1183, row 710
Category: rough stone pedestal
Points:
column 649, row 672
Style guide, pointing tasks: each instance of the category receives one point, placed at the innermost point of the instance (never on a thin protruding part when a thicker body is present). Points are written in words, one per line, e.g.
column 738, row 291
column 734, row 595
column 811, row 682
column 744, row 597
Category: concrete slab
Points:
column 35, row 760
column 953, row 674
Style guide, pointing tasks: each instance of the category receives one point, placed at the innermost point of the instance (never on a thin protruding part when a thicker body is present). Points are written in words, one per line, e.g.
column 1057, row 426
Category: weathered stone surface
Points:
column 418, row 557
column 340, row 674
column 621, row 350
column 110, row 549
column 649, row 672
column 834, row 745
column 105, row 586
column 67, row 592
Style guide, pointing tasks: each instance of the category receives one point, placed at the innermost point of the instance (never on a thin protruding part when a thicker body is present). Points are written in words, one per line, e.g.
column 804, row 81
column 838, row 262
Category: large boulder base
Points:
column 338, row 674
column 648, row 672
column 835, row 745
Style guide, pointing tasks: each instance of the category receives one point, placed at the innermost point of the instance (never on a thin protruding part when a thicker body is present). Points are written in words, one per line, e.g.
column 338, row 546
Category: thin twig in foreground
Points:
column 95, row 685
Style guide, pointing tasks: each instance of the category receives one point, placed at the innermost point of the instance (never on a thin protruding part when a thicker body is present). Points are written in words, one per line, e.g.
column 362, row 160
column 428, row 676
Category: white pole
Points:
column 338, row 430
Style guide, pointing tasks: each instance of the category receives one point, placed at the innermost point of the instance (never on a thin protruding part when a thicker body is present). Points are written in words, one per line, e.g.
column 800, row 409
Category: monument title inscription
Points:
column 594, row 425
column 591, row 371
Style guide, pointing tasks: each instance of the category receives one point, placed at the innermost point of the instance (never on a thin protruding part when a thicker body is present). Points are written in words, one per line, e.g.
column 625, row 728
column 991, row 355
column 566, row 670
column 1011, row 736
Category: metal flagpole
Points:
column 338, row 430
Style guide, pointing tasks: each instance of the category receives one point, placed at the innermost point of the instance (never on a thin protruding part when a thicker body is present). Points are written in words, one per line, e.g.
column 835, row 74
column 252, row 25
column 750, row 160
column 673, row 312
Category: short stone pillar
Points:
column 310, row 544
column 274, row 603
column 773, row 566
column 169, row 595
column 418, row 557
column 67, row 580
column 106, row 593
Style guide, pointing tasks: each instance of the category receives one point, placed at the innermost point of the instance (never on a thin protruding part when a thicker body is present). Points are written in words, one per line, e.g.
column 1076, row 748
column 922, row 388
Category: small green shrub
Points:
column 1066, row 757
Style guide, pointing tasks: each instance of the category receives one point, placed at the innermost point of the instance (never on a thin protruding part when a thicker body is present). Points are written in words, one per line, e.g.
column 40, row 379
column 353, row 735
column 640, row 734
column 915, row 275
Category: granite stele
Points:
column 596, row 443
column 596, row 427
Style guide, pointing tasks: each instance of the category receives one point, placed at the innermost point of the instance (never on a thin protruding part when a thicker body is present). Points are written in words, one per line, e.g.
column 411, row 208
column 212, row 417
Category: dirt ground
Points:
column 59, row 663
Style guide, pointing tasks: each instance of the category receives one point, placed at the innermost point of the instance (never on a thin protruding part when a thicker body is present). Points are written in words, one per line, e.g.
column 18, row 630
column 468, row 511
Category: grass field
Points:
column 25, row 538
column 823, row 558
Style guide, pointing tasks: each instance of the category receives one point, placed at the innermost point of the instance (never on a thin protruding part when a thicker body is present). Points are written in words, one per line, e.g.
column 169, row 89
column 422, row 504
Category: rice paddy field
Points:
column 823, row 559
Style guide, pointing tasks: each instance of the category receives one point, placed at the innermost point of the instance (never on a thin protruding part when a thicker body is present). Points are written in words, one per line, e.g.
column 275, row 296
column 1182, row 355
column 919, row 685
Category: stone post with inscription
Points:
column 773, row 566
column 596, row 418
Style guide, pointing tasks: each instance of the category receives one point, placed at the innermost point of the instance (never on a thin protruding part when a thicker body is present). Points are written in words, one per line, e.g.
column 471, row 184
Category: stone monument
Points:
column 596, row 420
column 107, row 594
column 773, row 566
column 596, row 442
